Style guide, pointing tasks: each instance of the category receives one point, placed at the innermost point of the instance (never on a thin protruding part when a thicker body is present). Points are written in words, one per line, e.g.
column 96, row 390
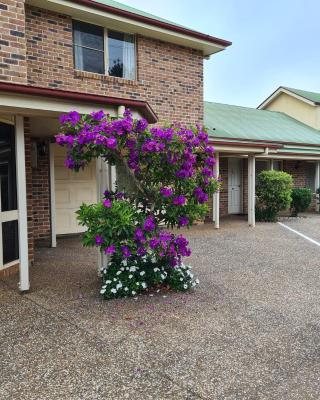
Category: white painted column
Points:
column 216, row 196
column 251, row 190
column 121, row 110
column 271, row 164
column 24, row 284
column 317, row 183
column 52, row 197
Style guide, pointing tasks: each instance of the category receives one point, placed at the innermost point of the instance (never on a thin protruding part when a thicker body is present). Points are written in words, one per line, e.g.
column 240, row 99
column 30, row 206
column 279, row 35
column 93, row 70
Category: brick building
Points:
column 60, row 55
column 248, row 141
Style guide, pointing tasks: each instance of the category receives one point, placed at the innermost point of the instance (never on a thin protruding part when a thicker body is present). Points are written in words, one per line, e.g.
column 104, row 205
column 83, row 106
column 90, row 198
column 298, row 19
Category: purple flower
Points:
column 73, row 118
column 99, row 240
column 149, row 224
column 69, row 163
column 206, row 172
column 201, row 196
column 166, row 192
column 120, row 196
column 141, row 251
column 139, row 235
column 142, row 125
column 210, row 161
column 179, row 201
column 110, row 250
column 183, row 221
column 154, row 243
column 97, row 116
column 111, row 143
column 126, row 251
column 107, row 203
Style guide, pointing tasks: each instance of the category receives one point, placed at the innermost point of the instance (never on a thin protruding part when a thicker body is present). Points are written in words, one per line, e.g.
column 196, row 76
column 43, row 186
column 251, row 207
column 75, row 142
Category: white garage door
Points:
column 72, row 189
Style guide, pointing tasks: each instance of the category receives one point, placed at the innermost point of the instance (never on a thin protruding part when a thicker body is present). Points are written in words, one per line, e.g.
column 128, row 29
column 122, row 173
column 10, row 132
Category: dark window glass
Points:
column 8, row 180
column 121, row 52
column 10, row 241
column 88, row 42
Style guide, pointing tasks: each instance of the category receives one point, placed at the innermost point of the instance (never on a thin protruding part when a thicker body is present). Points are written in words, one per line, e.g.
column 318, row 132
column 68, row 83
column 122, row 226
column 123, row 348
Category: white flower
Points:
column 119, row 285
column 144, row 285
column 130, row 276
column 126, row 289
column 114, row 291
column 185, row 286
column 181, row 279
column 119, row 272
column 137, row 283
column 115, row 280
column 142, row 273
column 162, row 276
column 122, row 269
column 133, row 293
column 102, row 291
column 153, row 260
column 156, row 269
column 124, row 263
column 133, row 269
column 197, row 281
column 127, row 268
column 108, row 282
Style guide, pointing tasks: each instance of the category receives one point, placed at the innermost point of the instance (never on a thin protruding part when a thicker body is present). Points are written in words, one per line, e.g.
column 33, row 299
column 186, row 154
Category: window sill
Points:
column 104, row 78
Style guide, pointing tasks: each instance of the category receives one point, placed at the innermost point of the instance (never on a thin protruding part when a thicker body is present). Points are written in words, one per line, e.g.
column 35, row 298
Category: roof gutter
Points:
column 154, row 22
column 142, row 106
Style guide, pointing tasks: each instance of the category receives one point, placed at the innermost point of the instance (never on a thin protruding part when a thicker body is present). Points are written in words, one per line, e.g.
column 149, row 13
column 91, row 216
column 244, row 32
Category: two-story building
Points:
column 60, row 55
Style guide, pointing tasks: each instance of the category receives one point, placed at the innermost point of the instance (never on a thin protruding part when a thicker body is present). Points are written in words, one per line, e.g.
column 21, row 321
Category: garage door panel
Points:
column 71, row 190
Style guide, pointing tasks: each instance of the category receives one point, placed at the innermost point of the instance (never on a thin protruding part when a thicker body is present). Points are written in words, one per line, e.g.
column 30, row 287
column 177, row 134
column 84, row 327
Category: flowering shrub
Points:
column 170, row 171
column 129, row 277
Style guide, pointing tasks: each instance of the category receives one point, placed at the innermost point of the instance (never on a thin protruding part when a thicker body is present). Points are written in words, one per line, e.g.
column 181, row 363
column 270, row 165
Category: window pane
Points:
column 122, row 61
column 89, row 60
column 8, row 183
column 88, row 35
column 10, row 241
column 277, row 165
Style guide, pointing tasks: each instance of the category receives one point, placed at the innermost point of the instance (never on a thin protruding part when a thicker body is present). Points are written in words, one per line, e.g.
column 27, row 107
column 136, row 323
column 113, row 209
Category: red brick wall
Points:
column 13, row 66
column 298, row 170
column 224, row 187
column 169, row 77
column 38, row 194
column 41, row 197
column 29, row 191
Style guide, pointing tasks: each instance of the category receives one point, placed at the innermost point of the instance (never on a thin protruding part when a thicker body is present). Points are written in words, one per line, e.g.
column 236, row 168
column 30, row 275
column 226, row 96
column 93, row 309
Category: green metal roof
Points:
column 133, row 10
column 243, row 123
column 312, row 96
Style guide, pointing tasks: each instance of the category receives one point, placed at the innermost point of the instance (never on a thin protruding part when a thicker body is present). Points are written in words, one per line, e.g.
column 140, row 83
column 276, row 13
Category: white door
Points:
column 71, row 190
column 234, row 186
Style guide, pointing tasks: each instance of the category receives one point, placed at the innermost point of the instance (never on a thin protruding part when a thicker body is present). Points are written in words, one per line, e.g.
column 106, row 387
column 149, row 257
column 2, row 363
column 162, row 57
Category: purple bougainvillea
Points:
column 172, row 171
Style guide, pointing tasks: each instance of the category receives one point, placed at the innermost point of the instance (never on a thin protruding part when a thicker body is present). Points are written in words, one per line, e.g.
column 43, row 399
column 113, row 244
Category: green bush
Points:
column 301, row 200
column 273, row 193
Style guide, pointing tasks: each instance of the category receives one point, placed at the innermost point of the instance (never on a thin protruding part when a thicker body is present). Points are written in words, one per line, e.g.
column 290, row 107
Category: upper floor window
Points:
column 104, row 51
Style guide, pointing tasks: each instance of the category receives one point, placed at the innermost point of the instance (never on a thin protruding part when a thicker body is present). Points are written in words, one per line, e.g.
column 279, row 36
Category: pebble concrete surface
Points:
column 250, row 331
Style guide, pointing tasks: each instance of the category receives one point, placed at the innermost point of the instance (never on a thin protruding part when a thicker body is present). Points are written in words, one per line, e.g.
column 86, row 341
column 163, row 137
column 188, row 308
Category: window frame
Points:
column 105, row 50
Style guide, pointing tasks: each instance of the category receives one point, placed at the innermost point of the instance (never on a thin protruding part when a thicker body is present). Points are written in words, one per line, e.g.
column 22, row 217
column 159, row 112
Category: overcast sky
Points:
column 275, row 43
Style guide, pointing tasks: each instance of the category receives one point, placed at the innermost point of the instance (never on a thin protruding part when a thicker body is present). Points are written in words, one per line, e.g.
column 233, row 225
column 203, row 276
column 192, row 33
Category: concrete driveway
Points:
column 250, row 331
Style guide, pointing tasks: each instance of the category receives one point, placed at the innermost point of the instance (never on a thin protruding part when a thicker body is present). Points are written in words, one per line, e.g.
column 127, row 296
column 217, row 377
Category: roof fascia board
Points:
column 101, row 14
column 77, row 98
column 280, row 90
column 265, row 143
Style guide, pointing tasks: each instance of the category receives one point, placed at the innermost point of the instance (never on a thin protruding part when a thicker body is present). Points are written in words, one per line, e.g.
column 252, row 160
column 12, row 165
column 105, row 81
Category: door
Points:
column 234, row 186
column 9, row 239
column 71, row 190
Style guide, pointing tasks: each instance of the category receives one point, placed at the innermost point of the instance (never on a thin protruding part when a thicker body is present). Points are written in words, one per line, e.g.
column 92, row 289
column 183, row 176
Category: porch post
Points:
column 24, row 284
column 216, row 196
column 52, row 197
column 271, row 164
column 251, row 190
column 317, row 184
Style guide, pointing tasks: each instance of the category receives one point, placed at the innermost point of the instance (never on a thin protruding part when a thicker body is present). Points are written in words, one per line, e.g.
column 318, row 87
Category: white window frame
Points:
column 106, row 51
